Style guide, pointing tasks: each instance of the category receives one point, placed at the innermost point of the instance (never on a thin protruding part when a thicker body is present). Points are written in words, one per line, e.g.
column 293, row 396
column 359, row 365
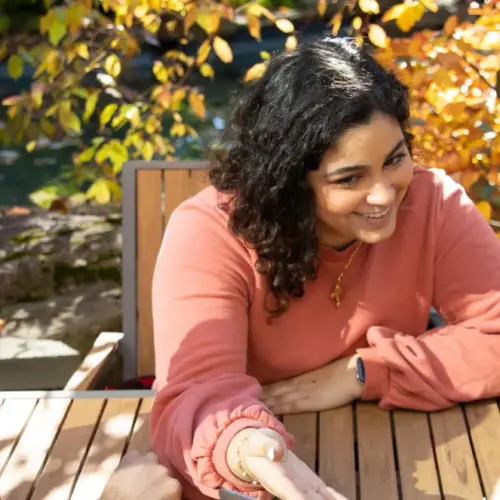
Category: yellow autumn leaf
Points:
column 82, row 50
column 410, row 16
column 450, row 25
column 291, row 42
column 190, row 18
column 264, row 54
column 99, row 191
column 336, row 22
column 223, row 50
column 254, row 26
column 285, row 25
column 197, row 103
column 160, row 71
column 321, row 7
column 113, row 66
column 148, row 150
column 369, row 6
column 485, row 209
column 357, row 22
column 394, row 12
column 255, row 72
column 430, row 5
column 206, row 70
column 377, row 36
column 203, row 52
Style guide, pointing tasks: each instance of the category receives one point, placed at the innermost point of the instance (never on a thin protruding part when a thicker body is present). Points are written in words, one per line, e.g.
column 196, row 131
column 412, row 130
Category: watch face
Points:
column 360, row 370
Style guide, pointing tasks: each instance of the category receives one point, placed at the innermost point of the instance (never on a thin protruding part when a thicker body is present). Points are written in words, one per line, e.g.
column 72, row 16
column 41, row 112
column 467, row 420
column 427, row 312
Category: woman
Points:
column 309, row 267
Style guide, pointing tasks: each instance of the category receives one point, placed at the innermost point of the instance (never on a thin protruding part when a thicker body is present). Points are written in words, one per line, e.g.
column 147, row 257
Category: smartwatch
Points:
column 360, row 370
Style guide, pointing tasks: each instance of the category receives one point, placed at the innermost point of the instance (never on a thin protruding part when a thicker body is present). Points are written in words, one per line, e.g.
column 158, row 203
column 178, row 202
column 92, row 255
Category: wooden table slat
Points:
column 377, row 469
column 417, row 466
column 303, row 428
column 139, row 441
column 336, row 450
column 31, row 451
column 70, row 448
column 107, row 447
column 484, row 424
column 13, row 417
column 457, row 469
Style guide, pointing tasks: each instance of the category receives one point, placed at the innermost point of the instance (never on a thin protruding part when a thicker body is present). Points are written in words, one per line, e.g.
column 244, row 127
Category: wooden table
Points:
column 61, row 445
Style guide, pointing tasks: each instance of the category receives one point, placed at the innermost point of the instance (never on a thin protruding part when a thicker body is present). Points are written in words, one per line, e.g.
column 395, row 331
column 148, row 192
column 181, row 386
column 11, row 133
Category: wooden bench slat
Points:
column 457, row 469
column 107, row 447
column 417, row 467
column 149, row 235
column 377, row 469
column 14, row 415
column 31, row 451
column 180, row 185
column 69, row 451
column 139, row 441
column 303, row 427
column 484, row 424
column 336, row 450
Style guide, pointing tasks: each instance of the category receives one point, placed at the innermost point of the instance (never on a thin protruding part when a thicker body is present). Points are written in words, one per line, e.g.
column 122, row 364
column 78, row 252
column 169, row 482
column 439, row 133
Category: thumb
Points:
column 264, row 443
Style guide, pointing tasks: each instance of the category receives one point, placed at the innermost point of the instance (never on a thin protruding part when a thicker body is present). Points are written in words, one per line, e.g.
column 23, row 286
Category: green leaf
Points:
column 107, row 113
column 57, row 31
column 4, row 24
column 45, row 196
column 15, row 66
column 90, row 104
column 100, row 191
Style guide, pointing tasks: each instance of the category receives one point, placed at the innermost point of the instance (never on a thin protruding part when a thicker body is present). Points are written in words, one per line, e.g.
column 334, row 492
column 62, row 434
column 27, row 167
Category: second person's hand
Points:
column 263, row 455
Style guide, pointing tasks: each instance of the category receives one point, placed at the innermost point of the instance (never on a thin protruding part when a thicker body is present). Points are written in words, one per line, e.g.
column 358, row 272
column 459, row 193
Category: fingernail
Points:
column 271, row 453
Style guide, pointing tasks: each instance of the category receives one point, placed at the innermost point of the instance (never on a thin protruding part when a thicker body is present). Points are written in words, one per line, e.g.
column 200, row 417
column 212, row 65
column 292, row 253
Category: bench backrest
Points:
column 151, row 191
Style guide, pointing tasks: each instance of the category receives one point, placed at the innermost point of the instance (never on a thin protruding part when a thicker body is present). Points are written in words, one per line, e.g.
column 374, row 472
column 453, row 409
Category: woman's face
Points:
column 360, row 184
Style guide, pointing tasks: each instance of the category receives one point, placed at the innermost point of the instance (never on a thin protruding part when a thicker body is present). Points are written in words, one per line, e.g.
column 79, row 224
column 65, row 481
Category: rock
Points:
column 75, row 317
column 60, row 274
column 44, row 253
column 34, row 364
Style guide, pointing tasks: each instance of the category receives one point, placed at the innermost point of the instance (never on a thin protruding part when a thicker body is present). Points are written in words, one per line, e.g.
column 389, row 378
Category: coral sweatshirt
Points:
column 214, row 346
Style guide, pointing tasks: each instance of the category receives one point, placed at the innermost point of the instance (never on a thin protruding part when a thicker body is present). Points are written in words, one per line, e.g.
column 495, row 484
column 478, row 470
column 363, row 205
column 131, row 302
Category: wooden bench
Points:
column 151, row 191
column 61, row 445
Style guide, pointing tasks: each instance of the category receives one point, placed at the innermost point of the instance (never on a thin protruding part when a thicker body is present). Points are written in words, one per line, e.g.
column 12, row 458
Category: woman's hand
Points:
column 263, row 455
column 141, row 476
column 327, row 387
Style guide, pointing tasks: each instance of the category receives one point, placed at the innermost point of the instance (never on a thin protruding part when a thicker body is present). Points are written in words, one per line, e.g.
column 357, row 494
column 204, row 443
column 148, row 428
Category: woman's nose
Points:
column 381, row 193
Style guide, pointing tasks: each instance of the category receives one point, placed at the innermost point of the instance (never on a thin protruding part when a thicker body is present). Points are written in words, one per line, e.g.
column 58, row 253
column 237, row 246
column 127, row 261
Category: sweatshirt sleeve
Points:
column 458, row 362
column 202, row 288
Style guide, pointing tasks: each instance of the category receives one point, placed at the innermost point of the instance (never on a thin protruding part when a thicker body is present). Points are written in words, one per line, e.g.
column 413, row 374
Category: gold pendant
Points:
column 336, row 295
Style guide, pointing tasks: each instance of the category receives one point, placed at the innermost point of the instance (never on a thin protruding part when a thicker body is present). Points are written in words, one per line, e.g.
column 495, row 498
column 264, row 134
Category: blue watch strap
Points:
column 360, row 370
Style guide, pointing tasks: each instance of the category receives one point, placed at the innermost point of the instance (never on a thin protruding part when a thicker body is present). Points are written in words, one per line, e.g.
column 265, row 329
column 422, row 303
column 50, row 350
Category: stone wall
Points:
column 60, row 274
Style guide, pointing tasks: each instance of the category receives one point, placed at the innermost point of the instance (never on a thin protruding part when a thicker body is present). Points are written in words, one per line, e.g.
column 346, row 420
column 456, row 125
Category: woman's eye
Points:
column 395, row 160
column 348, row 181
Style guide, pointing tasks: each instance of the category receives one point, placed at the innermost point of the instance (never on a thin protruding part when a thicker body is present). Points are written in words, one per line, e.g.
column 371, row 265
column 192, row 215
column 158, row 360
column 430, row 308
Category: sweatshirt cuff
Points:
column 376, row 375
column 220, row 450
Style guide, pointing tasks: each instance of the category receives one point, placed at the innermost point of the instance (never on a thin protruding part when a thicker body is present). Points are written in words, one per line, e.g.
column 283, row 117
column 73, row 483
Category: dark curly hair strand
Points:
column 281, row 127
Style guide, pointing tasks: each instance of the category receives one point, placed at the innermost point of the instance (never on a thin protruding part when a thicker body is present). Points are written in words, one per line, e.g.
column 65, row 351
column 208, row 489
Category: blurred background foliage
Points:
column 91, row 84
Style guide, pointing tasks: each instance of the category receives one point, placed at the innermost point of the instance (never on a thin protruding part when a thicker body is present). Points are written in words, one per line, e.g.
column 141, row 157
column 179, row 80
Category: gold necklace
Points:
column 338, row 291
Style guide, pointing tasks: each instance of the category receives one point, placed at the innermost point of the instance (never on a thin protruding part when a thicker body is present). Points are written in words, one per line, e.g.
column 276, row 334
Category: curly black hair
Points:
column 281, row 127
